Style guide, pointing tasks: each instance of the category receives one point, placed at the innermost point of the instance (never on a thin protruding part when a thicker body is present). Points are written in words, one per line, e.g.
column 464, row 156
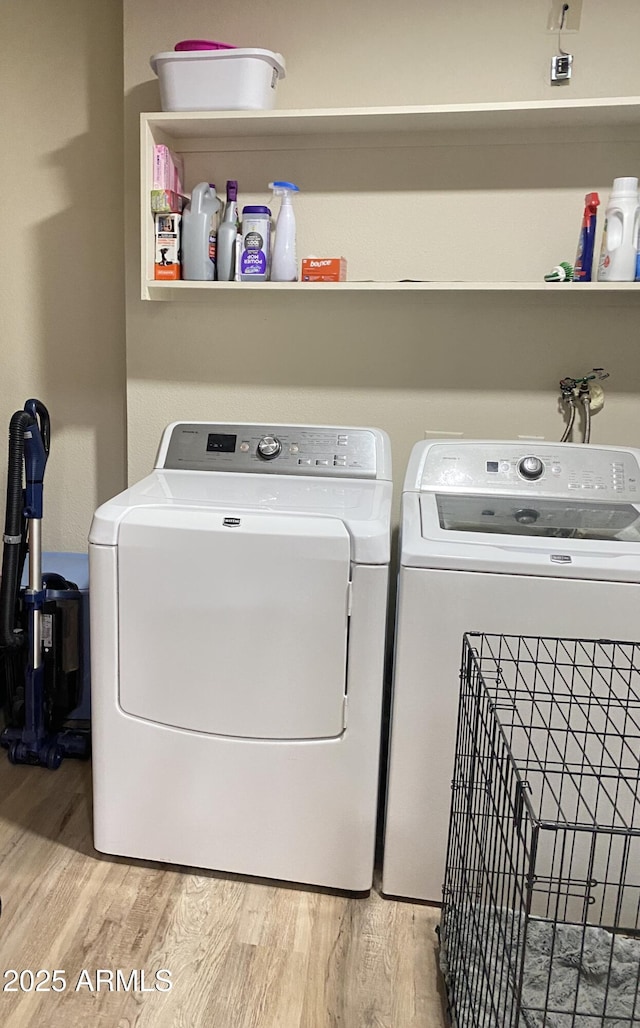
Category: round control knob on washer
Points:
column 530, row 467
column 269, row 447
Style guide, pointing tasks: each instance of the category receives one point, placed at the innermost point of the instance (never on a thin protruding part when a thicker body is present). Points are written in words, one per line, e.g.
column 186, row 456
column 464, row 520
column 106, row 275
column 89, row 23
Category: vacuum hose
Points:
column 14, row 549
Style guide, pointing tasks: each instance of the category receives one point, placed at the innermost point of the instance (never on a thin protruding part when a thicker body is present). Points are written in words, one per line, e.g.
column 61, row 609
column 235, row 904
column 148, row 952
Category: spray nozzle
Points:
column 283, row 189
column 232, row 191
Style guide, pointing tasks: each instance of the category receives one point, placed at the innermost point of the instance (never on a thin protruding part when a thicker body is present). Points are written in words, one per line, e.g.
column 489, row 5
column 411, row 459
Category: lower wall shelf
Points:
column 620, row 291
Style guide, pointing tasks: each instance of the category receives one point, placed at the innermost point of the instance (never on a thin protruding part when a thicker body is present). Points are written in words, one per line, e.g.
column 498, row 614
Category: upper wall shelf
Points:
column 310, row 134
column 531, row 114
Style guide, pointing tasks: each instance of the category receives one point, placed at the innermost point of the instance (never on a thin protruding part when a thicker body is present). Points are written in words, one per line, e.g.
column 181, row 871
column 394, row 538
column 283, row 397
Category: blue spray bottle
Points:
column 584, row 257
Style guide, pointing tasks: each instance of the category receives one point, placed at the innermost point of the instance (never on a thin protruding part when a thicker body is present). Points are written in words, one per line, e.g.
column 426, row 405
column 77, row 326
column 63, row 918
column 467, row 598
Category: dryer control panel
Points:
column 540, row 469
column 318, row 451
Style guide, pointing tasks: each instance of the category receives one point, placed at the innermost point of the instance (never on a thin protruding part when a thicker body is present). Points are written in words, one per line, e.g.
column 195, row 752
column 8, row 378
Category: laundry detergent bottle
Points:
column 199, row 230
column 618, row 253
column 284, row 264
column 583, row 267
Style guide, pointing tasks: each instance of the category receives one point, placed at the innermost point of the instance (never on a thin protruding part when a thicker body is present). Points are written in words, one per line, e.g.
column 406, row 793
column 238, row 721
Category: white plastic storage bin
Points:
column 218, row 80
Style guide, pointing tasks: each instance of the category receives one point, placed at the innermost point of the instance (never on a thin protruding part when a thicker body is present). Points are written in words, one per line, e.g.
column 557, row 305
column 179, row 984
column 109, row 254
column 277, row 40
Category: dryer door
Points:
column 236, row 629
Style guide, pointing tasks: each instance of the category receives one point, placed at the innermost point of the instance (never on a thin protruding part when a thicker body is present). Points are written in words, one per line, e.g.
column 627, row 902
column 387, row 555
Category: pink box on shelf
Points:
column 168, row 169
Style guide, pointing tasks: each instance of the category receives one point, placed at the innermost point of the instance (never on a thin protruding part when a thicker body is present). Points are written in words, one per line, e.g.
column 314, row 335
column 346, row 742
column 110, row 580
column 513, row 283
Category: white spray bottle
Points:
column 284, row 265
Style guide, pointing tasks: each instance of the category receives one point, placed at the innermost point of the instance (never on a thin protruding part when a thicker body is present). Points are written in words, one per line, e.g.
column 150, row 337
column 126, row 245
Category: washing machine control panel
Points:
column 275, row 449
column 543, row 469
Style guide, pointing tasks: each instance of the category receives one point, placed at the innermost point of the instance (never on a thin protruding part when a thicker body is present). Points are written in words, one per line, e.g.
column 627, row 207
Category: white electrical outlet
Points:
column 561, row 67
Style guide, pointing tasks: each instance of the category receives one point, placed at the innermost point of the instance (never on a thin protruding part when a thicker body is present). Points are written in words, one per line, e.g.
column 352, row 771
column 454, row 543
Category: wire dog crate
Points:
column 541, row 914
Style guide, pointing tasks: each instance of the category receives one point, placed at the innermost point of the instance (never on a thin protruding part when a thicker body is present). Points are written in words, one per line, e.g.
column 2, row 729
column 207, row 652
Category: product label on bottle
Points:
column 604, row 261
column 253, row 260
column 619, row 245
column 578, row 272
column 212, row 247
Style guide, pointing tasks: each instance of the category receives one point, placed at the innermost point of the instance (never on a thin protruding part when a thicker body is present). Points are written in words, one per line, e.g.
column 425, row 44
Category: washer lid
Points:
column 539, row 517
column 559, row 539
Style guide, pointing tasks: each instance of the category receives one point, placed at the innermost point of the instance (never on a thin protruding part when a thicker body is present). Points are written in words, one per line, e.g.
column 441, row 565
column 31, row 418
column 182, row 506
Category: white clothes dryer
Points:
column 497, row 537
column 238, row 612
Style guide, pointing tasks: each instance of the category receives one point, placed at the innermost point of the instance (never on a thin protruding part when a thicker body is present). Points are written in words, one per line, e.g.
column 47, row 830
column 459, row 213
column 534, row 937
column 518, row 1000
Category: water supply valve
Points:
column 586, row 392
column 596, row 397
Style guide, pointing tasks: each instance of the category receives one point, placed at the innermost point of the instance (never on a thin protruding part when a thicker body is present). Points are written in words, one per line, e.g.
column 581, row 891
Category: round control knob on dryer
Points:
column 531, row 467
column 269, row 447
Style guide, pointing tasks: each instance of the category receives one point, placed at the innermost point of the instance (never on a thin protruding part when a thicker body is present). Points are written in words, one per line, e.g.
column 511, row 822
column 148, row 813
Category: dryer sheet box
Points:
column 324, row 269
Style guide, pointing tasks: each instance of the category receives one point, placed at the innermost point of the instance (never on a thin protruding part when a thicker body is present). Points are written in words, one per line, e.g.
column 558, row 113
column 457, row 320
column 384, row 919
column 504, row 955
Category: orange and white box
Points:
column 167, row 247
column 324, row 269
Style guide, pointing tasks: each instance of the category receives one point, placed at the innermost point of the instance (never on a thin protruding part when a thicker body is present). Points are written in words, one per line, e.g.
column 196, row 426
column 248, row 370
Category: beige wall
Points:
column 61, row 263
column 368, row 52
column 486, row 365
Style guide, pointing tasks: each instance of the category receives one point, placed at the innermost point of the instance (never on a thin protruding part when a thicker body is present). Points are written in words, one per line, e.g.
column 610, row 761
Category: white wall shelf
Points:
column 544, row 122
column 183, row 290
column 543, row 114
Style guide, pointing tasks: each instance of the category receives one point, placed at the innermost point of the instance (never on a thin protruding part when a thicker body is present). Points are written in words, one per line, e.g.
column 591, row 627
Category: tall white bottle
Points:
column 284, row 264
column 618, row 252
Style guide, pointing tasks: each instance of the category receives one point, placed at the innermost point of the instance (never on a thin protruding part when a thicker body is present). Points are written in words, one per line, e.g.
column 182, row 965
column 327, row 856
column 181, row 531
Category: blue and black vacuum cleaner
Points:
column 41, row 624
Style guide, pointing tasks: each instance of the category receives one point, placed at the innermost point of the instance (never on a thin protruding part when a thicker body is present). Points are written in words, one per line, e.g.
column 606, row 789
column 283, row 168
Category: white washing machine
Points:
column 496, row 537
column 238, row 611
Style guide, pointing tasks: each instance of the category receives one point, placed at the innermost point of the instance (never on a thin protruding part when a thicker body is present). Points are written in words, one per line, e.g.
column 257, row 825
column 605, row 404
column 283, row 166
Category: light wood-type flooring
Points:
column 241, row 953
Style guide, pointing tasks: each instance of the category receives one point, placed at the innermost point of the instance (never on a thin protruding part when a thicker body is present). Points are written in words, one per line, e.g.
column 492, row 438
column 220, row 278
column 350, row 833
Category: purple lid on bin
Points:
column 202, row 44
column 256, row 210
